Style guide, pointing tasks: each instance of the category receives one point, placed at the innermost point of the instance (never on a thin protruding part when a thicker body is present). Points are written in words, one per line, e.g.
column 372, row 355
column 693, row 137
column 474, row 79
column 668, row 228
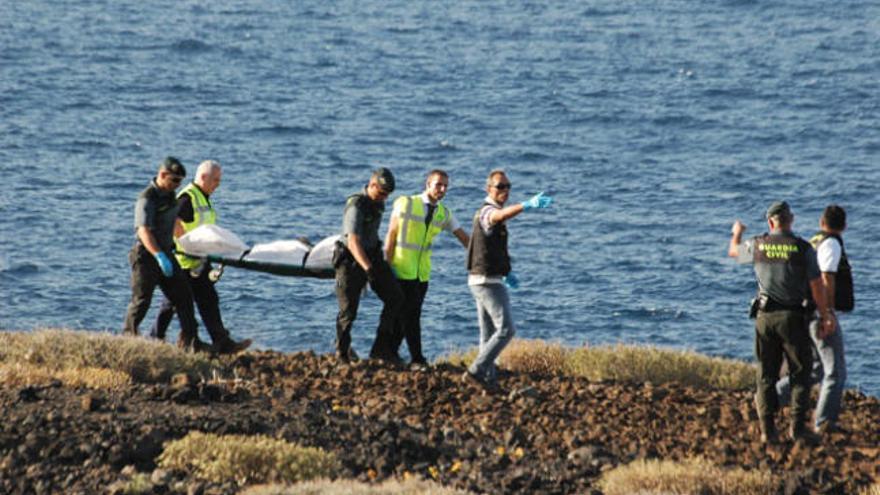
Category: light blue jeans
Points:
column 829, row 369
column 496, row 328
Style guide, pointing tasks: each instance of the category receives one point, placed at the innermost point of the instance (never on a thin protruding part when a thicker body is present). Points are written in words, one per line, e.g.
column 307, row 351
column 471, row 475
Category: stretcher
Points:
column 292, row 258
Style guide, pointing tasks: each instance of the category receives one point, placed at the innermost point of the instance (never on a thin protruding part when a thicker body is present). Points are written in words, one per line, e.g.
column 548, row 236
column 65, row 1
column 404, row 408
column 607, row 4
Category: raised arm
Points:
column 538, row 201
column 736, row 233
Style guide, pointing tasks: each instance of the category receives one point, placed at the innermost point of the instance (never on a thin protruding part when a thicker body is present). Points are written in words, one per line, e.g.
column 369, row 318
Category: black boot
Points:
column 800, row 433
column 768, row 430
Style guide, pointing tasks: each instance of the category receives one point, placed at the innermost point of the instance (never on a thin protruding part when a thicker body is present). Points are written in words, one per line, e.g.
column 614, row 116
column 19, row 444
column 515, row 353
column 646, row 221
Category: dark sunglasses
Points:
column 501, row 186
column 176, row 179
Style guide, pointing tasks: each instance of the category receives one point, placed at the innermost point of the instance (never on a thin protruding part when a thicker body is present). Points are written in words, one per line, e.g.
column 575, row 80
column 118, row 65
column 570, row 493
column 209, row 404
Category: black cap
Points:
column 384, row 178
column 780, row 209
column 173, row 165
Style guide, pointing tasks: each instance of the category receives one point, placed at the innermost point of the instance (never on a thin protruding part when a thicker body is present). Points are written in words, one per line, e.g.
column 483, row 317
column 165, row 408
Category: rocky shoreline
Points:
column 540, row 434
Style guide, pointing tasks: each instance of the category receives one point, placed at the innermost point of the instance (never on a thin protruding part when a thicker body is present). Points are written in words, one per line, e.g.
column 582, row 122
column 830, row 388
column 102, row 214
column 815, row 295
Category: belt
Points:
column 772, row 305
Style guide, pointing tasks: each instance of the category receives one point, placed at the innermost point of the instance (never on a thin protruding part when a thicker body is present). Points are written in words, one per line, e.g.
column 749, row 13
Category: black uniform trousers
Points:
column 783, row 334
column 207, row 301
column 409, row 322
column 145, row 276
column 350, row 281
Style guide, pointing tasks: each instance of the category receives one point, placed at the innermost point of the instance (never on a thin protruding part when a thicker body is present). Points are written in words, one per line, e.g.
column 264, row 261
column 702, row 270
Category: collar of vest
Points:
column 192, row 186
column 159, row 191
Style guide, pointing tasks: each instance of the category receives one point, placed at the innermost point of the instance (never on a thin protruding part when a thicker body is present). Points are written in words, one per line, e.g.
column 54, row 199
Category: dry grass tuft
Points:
column 535, row 356
column 693, row 476
column 139, row 484
column 871, row 490
column 58, row 350
column 347, row 487
column 651, row 364
column 246, row 459
column 461, row 357
column 620, row 363
column 17, row 375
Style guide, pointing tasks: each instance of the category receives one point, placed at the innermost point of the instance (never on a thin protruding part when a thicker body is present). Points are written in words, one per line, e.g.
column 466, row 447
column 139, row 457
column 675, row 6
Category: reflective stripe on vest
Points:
column 412, row 251
column 203, row 213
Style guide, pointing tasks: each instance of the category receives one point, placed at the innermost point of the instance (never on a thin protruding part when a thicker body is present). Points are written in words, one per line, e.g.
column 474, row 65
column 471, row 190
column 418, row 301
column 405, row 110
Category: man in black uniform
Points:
column 786, row 268
column 194, row 210
column 359, row 260
column 151, row 258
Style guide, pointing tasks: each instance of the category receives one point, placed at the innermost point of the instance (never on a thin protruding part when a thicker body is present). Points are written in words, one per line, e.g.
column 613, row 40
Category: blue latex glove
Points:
column 511, row 281
column 537, row 201
column 164, row 263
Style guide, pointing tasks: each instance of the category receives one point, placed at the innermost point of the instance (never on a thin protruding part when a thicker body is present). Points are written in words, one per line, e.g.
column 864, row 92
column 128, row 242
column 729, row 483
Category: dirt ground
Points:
column 539, row 434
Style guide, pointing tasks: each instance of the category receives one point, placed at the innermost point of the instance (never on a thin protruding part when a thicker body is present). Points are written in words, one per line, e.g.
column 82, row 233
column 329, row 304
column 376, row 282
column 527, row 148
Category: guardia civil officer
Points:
column 415, row 221
column 358, row 261
column 786, row 269
column 489, row 273
column 830, row 368
column 151, row 259
column 195, row 209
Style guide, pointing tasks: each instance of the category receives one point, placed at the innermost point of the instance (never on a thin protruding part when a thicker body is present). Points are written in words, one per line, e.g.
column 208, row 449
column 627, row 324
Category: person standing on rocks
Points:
column 151, row 259
column 830, row 369
column 195, row 209
column 786, row 269
column 415, row 221
column 489, row 273
column 358, row 260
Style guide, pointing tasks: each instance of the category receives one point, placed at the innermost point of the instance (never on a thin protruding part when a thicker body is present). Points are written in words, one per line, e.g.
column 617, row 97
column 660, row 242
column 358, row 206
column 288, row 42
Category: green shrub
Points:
column 143, row 360
column 693, row 476
column 246, row 459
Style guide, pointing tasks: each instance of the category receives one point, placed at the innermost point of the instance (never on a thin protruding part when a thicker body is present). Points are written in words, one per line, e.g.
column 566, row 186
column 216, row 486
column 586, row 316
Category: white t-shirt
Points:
column 828, row 253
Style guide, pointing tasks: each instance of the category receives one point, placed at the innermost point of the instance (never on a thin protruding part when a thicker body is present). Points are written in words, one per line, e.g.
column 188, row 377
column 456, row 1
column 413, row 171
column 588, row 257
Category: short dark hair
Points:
column 173, row 166
column 384, row 178
column 437, row 171
column 834, row 217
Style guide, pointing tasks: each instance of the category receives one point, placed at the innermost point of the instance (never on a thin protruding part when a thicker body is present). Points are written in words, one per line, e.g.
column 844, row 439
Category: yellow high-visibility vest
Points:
column 203, row 213
column 412, row 252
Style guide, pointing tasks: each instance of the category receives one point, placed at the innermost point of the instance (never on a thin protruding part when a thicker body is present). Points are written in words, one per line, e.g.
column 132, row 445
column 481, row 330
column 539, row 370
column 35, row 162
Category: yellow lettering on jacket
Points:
column 779, row 251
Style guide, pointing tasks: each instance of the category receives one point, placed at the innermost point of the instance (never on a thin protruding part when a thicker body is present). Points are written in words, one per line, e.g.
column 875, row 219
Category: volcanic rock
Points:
column 545, row 435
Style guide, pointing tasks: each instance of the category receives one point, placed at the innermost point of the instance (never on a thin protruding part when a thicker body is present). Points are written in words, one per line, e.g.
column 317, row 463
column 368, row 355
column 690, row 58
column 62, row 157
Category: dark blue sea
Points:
column 653, row 124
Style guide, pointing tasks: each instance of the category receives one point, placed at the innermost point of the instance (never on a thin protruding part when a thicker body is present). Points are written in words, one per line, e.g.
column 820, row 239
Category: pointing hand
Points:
column 537, row 201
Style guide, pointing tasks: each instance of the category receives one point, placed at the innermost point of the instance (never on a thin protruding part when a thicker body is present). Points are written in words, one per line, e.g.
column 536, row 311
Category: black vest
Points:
column 844, row 300
column 487, row 254
column 780, row 261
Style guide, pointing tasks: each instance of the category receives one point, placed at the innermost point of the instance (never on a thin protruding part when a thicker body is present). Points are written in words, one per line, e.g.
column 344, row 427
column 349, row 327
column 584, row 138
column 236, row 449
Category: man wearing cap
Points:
column 830, row 368
column 788, row 274
column 151, row 259
column 358, row 260
column 489, row 274
column 415, row 221
column 195, row 209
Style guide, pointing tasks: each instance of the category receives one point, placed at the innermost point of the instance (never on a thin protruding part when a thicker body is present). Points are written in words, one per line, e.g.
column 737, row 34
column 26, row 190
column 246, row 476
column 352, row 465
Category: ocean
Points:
column 654, row 125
